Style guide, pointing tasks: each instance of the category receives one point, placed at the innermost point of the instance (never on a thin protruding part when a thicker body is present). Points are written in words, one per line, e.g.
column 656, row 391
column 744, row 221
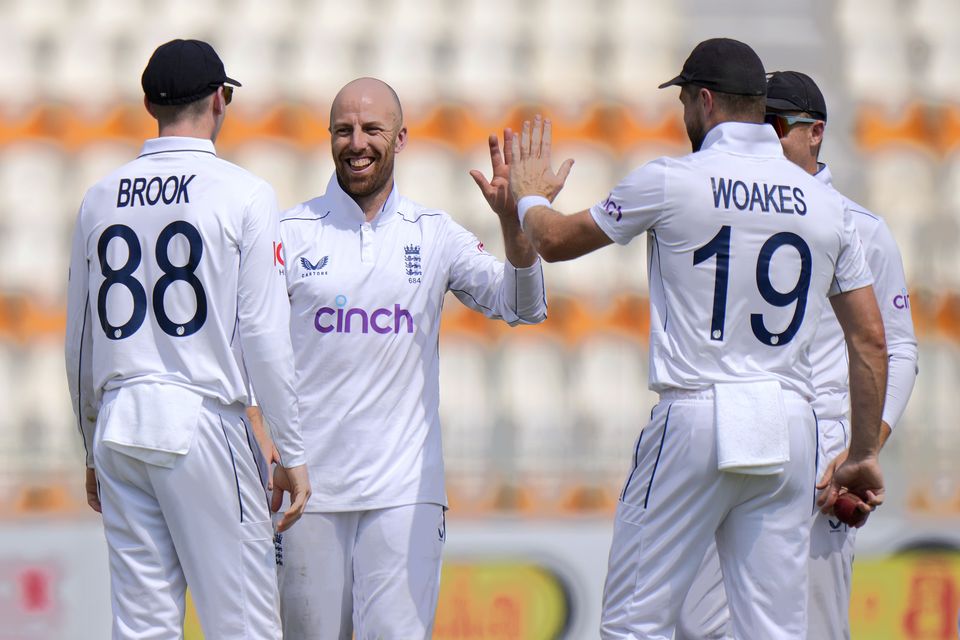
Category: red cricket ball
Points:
column 845, row 508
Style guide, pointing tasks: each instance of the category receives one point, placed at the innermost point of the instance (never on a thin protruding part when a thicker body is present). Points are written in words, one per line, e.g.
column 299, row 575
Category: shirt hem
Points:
column 373, row 505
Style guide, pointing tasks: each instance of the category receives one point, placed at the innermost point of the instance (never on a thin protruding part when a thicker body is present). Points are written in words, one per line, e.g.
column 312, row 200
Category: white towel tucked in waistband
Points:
column 153, row 422
column 752, row 434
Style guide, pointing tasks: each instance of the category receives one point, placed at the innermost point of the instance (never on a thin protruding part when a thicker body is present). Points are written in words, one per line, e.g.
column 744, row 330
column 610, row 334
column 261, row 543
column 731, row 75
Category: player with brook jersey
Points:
column 797, row 111
column 367, row 270
column 173, row 298
column 744, row 248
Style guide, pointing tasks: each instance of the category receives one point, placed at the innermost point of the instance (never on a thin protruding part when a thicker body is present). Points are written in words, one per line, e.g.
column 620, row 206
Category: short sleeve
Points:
column 635, row 204
column 852, row 271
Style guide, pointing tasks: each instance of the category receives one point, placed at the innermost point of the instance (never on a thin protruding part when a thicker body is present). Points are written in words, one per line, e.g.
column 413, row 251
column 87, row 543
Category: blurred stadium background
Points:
column 534, row 461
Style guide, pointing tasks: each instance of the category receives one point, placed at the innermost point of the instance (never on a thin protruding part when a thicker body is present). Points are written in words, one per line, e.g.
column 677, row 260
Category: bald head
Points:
column 371, row 95
column 366, row 133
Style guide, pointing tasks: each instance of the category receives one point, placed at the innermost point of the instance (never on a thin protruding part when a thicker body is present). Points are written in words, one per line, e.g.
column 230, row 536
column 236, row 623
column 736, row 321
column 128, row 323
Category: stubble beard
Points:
column 696, row 134
column 366, row 186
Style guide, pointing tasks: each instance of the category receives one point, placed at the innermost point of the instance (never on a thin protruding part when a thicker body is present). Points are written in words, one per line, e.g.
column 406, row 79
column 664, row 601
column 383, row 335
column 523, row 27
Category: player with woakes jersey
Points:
column 173, row 298
column 744, row 248
column 367, row 270
column 798, row 113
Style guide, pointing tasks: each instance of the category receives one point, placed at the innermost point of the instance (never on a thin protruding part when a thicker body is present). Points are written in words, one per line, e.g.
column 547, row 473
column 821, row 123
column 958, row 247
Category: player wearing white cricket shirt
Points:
column 367, row 270
column 798, row 112
column 173, row 297
column 744, row 249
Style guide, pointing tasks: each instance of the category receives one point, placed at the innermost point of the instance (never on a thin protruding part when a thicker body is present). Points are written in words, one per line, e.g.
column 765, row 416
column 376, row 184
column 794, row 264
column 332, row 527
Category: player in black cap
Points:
column 175, row 310
column 728, row 456
column 798, row 112
column 179, row 77
column 794, row 99
column 721, row 78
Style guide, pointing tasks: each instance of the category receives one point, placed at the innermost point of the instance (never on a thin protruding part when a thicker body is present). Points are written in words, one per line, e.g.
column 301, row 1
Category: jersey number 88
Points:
column 124, row 277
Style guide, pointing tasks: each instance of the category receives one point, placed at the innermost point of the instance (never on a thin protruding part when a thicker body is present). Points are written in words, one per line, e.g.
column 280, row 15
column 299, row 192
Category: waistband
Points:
column 208, row 402
column 670, row 395
column 237, row 409
column 687, row 394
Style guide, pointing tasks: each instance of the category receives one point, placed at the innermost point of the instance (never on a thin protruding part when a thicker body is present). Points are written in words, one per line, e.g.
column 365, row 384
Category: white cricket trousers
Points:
column 373, row 573
column 831, row 551
column 705, row 615
column 675, row 503
column 204, row 523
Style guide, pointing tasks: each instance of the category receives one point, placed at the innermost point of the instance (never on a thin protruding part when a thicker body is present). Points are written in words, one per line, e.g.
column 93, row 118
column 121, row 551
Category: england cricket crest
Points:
column 411, row 263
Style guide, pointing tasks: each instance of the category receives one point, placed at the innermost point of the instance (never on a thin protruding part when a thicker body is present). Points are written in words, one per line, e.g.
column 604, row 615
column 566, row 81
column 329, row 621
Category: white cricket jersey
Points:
column 744, row 247
column 828, row 354
column 175, row 294
column 365, row 318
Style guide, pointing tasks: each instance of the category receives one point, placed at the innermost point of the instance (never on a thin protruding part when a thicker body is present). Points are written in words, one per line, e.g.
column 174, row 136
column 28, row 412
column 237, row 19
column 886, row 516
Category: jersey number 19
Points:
column 719, row 246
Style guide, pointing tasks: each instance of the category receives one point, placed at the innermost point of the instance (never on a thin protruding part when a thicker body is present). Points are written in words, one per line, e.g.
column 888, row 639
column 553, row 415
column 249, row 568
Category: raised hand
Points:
column 530, row 170
column 497, row 190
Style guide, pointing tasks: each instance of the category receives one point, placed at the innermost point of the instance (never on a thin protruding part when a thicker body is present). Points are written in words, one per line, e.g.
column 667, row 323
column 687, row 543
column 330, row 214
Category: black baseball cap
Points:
column 795, row 91
column 723, row 65
column 183, row 71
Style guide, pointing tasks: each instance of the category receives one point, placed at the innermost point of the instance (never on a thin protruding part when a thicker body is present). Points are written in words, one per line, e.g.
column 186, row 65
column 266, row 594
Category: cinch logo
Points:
column 355, row 319
column 902, row 301
column 612, row 208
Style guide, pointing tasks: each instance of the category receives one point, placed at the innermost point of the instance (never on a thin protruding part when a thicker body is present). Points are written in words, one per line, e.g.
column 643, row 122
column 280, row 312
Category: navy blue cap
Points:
column 723, row 65
column 795, row 91
column 183, row 71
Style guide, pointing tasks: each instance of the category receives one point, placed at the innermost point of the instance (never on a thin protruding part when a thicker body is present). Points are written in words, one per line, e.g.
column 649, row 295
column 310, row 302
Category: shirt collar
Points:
column 823, row 174
column 348, row 205
column 744, row 138
column 172, row 144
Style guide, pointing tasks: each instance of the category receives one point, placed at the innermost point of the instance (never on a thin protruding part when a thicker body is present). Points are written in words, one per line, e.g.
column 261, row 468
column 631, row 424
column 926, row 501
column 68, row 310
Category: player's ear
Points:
column 401, row 140
column 705, row 98
column 816, row 133
column 146, row 105
column 219, row 105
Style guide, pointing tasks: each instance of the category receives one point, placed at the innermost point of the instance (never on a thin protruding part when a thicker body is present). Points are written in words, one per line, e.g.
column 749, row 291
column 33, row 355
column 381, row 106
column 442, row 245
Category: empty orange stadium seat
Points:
column 878, row 126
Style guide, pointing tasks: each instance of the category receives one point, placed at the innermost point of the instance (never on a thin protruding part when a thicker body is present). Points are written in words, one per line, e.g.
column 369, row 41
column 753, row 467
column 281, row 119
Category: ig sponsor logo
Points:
column 278, row 256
